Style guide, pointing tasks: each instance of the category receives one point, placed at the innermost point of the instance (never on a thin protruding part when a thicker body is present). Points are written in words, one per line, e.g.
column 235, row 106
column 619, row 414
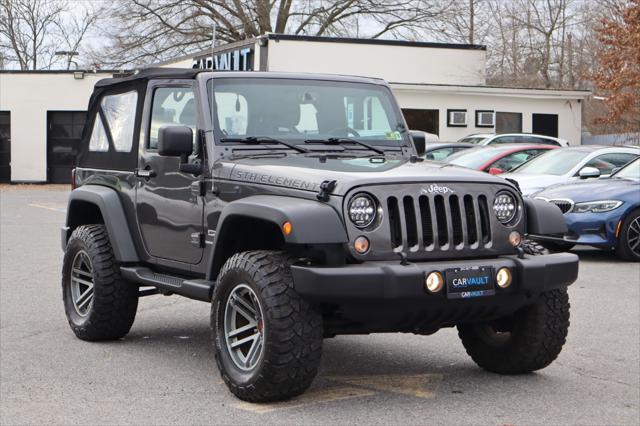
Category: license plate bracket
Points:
column 469, row 282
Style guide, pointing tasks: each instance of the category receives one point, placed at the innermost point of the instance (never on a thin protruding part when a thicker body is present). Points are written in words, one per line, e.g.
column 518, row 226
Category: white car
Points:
column 570, row 164
column 500, row 138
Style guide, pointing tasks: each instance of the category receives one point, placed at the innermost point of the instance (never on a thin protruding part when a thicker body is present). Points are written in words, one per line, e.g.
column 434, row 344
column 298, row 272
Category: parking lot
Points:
column 164, row 372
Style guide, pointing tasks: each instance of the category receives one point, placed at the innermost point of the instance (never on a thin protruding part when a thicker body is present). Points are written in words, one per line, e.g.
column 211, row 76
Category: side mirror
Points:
column 419, row 141
column 495, row 171
column 175, row 141
column 589, row 172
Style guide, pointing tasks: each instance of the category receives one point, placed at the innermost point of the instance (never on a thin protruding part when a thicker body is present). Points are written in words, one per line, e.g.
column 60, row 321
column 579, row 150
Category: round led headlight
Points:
column 505, row 206
column 362, row 210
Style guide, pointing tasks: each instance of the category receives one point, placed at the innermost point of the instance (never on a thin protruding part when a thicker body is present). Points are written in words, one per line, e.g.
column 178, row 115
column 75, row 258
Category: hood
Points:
column 593, row 190
column 530, row 184
column 308, row 172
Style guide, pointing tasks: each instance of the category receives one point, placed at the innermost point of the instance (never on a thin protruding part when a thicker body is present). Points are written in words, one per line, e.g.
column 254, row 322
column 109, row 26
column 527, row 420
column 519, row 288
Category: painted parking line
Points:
column 49, row 207
column 416, row 385
column 314, row 397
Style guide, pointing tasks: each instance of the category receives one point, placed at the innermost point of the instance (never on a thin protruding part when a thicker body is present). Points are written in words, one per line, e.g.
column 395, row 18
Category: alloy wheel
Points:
column 81, row 283
column 633, row 236
column 244, row 327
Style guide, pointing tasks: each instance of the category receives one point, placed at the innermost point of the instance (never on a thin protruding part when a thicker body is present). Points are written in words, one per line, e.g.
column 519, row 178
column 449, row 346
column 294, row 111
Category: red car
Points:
column 496, row 159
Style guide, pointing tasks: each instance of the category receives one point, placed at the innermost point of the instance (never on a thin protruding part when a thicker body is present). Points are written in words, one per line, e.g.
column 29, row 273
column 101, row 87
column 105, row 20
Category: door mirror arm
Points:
column 192, row 168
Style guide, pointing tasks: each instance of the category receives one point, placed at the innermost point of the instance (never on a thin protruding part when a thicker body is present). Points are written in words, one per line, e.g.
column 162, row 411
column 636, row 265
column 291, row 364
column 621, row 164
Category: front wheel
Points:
column 628, row 247
column 526, row 341
column 268, row 340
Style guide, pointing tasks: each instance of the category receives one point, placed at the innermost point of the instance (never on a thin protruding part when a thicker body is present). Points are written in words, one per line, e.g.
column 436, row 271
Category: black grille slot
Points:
column 484, row 219
column 441, row 220
column 456, row 220
column 410, row 221
column 425, row 218
column 470, row 215
column 394, row 222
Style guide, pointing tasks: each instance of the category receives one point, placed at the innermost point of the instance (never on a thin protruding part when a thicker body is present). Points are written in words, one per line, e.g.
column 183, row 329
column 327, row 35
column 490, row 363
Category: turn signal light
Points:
column 434, row 282
column 361, row 244
column 504, row 277
column 287, row 228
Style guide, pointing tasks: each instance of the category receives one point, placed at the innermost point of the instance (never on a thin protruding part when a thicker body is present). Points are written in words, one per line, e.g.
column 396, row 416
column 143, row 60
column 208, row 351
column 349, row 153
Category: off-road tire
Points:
column 623, row 250
column 553, row 246
column 292, row 335
column 526, row 341
column 115, row 301
column 534, row 248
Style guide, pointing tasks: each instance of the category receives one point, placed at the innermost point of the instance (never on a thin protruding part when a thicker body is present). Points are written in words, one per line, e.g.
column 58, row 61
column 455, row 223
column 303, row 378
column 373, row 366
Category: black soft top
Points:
column 151, row 73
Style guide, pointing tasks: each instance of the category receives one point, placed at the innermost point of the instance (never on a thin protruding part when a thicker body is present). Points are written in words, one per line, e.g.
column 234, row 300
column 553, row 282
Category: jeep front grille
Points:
column 438, row 222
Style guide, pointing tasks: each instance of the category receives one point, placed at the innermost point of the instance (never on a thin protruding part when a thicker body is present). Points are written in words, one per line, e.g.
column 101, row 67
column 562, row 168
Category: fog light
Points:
column 515, row 238
column 504, row 277
column 361, row 244
column 434, row 282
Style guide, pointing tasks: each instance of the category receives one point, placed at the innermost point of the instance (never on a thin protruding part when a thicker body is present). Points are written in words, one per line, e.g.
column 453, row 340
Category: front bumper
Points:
column 594, row 229
column 390, row 281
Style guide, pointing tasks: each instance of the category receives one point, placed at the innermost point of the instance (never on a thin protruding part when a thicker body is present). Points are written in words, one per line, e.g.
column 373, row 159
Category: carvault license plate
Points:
column 475, row 281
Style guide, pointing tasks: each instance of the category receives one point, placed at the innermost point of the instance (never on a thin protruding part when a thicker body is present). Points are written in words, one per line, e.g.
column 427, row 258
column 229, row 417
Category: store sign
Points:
column 233, row 60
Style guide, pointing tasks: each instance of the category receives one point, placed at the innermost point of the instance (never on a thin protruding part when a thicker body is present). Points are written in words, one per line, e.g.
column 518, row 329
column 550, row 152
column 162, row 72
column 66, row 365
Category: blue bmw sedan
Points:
column 603, row 213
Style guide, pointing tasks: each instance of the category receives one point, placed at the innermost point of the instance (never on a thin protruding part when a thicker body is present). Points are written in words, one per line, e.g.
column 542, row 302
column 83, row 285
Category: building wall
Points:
column 568, row 110
column 407, row 64
column 28, row 96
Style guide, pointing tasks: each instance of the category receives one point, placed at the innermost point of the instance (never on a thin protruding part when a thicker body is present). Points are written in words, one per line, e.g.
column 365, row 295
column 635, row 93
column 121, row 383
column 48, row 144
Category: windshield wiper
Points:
column 257, row 140
column 340, row 141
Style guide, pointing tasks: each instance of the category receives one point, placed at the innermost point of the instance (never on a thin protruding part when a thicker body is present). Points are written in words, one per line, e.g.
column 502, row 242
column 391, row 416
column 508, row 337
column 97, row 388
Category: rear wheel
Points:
column 99, row 304
column 268, row 340
column 628, row 247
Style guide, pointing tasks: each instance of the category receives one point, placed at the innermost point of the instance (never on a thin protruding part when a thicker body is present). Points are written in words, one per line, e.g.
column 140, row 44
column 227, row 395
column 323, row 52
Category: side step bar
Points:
column 193, row 289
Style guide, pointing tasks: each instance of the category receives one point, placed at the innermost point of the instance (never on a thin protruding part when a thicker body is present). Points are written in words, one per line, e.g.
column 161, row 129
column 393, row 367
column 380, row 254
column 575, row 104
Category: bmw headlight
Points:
column 363, row 210
column 505, row 207
column 596, row 206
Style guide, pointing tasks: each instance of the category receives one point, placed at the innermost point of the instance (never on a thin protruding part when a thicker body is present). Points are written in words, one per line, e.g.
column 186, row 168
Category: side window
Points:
column 505, row 139
column 98, row 141
column 439, row 154
column 607, row 162
column 120, row 112
column 172, row 106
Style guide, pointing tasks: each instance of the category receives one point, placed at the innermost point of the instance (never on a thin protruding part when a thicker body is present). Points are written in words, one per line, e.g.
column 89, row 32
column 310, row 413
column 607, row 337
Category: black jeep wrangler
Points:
column 299, row 206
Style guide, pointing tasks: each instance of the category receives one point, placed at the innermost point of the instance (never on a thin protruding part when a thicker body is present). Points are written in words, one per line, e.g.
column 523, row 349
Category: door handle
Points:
column 145, row 173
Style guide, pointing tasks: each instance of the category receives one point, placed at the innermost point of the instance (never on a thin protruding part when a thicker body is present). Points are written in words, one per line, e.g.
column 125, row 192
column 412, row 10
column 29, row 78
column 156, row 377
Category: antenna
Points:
column 213, row 46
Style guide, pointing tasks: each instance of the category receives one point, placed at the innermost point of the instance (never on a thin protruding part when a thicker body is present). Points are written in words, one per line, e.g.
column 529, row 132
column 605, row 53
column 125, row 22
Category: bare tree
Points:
column 73, row 31
column 148, row 30
column 24, row 27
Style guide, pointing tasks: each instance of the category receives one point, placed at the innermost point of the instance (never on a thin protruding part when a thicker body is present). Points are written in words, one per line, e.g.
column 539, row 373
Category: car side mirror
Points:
column 175, row 141
column 419, row 141
column 495, row 171
column 589, row 172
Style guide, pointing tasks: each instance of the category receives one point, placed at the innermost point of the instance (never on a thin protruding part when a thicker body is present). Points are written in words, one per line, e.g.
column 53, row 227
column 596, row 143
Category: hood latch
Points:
column 326, row 187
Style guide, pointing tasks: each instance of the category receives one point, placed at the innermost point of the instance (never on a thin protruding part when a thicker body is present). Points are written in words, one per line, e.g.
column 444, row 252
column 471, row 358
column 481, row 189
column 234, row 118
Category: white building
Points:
column 440, row 87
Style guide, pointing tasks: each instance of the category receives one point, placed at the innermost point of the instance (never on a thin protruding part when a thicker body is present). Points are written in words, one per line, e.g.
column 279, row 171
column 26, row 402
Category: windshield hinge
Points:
column 326, row 187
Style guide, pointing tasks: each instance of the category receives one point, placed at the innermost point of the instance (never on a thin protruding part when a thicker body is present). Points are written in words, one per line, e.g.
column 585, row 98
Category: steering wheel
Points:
column 350, row 131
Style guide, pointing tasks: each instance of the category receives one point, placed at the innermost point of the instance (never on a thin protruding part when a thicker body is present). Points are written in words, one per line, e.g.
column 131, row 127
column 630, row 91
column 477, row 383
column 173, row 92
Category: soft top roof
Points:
column 150, row 73
column 187, row 73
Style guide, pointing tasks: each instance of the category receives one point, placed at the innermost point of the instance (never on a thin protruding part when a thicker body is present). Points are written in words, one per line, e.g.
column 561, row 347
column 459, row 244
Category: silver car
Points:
column 570, row 164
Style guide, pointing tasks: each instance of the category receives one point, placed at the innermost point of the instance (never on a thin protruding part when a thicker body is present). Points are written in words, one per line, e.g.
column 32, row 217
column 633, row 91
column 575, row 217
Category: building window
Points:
column 485, row 118
column 426, row 120
column 456, row 118
column 508, row 122
column 545, row 124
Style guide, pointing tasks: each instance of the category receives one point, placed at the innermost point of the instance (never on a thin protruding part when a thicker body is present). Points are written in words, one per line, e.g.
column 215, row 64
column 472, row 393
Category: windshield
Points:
column 473, row 139
column 474, row 157
column 630, row 171
column 555, row 162
column 296, row 110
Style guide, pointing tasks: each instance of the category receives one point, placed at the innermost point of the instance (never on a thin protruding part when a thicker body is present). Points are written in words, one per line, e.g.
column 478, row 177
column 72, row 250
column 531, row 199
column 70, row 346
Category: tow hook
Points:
column 403, row 258
column 326, row 187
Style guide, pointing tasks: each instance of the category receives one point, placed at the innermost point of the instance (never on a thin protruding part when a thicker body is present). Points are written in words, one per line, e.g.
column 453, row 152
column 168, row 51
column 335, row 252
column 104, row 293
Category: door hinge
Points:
column 197, row 239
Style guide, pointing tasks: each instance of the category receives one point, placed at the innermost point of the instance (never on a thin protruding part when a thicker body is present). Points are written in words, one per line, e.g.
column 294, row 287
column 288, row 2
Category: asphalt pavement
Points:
column 163, row 372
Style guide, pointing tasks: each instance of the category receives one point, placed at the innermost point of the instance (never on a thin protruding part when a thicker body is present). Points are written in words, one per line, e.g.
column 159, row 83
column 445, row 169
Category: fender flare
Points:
column 312, row 222
column 108, row 202
column 544, row 218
